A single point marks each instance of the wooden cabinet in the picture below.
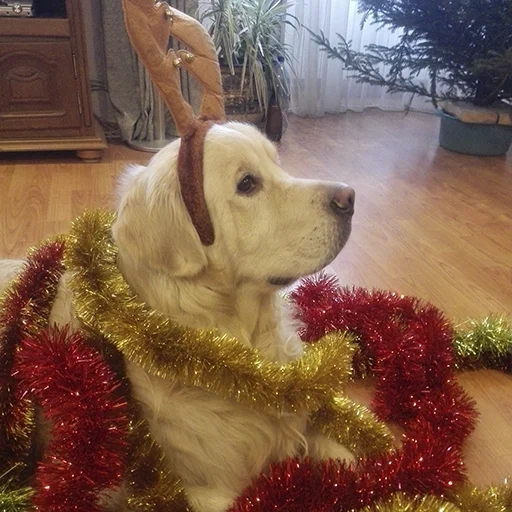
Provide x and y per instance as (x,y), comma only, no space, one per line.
(45,101)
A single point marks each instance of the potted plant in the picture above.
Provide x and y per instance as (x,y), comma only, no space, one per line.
(247,34)
(465,46)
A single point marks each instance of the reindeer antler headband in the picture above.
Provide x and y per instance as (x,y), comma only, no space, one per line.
(150,24)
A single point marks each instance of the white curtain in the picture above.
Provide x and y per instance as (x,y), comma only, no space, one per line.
(319,85)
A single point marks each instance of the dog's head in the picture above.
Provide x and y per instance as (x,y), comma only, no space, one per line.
(269,227)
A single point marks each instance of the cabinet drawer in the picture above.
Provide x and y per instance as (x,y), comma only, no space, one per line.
(38,86)
(34,27)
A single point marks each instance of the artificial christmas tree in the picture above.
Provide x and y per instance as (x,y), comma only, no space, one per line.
(465,46)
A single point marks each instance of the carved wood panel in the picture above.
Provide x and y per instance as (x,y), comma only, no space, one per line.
(38,87)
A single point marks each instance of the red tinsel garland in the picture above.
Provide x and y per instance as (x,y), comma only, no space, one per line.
(77,392)
(24,311)
(406,343)
(407,346)
(299,486)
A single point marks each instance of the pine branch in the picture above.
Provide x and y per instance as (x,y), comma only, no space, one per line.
(365,65)
(464,46)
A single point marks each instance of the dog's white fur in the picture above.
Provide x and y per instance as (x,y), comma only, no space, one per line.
(285,229)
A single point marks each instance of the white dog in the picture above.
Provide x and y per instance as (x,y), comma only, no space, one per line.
(270,230)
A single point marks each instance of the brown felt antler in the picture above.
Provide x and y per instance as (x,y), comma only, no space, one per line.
(150,24)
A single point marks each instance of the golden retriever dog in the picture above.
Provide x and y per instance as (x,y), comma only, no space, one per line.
(270,230)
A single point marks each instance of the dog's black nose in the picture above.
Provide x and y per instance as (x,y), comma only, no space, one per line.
(343,201)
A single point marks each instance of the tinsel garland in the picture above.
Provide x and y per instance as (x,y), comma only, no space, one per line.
(207,358)
(409,347)
(17,500)
(14,498)
(324,307)
(196,357)
(150,484)
(397,338)
(406,344)
(24,310)
(485,343)
(107,306)
(491,499)
(153,487)
(353,426)
(401,502)
(77,393)
(423,465)
(305,480)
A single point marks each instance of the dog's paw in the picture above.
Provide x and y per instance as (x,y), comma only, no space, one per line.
(210,499)
(323,448)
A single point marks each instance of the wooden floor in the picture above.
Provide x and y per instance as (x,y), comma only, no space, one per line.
(428,223)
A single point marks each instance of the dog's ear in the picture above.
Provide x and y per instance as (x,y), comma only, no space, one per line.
(153,228)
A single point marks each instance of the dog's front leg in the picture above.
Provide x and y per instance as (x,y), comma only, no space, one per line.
(320,447)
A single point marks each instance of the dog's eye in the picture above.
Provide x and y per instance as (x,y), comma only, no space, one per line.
(247,185)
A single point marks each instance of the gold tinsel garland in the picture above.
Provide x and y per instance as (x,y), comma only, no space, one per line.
(401,502)
(106,304)
(197,357)
(203,357)
(14,498)
(152,485)
(485,343)
(490,499)
(465,499)
(362,437)
(110,310)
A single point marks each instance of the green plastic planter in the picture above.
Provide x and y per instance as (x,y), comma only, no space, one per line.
(473,139)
